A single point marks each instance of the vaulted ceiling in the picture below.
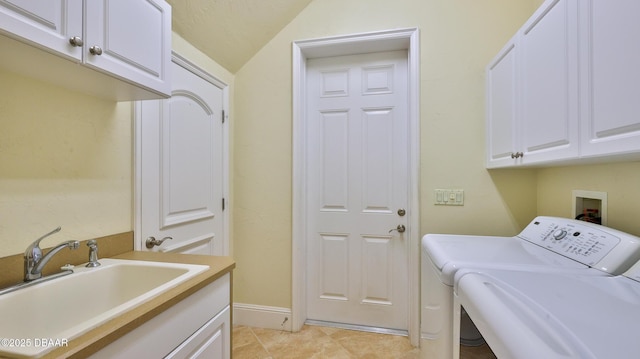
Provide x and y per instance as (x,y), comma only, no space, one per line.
(232,31)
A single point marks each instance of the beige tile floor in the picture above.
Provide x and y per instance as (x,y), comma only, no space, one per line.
(315,342)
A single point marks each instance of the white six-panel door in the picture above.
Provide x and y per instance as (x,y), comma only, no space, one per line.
(357,182)
(181,167)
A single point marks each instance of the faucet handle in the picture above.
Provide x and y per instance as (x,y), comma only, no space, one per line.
(33,251)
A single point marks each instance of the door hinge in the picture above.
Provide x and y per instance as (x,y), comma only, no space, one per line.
(223,204)
(223,116)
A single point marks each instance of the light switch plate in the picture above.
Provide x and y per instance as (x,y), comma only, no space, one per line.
(449,197)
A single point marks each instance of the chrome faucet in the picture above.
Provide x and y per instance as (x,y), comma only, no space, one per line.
(34,261)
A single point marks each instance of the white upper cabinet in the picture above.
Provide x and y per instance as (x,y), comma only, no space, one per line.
(124,46)
(575,83)
(610,76)
(130,39)
(501,107)
(548,84)
(46,24)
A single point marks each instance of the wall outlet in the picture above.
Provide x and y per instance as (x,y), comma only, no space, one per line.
(449,197)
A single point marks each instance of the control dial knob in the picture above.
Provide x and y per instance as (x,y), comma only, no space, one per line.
(559,234)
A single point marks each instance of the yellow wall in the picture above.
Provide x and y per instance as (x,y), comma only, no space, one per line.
(457,39)
(65,160)
(621,182)
(537,3)
(185,49)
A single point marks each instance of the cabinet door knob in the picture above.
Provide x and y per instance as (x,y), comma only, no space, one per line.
(76,41)
(95,50)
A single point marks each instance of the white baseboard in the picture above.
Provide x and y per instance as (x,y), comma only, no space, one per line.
(259,316)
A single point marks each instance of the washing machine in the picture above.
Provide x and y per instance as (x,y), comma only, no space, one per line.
(547,243)
(532,315)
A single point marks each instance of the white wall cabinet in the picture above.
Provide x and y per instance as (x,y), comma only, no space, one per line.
(562,90)
(501,107)
(127,42)
(197,327)
(46,24)
(532,103)
(548,88)
(609,73)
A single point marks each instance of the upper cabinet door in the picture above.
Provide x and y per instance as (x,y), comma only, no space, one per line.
(46,24)
(549,73)
(576,86)
(501,107)
(130,40)
(611,78)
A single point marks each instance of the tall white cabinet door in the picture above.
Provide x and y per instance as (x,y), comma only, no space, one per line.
(46,24)
(549,108)
(181,178)
(611,55)
(130,39)
(501,107)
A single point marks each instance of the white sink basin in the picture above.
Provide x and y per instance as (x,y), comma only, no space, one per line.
(51,313)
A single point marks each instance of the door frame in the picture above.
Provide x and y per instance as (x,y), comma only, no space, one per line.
(401,39)
(137,146)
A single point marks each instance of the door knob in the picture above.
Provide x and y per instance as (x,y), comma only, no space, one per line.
(152,241)
(400,229)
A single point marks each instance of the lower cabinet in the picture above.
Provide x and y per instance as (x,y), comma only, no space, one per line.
(210,341)
(197,327)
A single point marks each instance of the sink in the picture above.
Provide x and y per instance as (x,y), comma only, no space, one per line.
(49,314)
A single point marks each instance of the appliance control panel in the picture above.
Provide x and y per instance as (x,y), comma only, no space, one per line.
(577,240)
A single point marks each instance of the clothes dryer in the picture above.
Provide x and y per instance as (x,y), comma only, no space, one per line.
(531,315)
(547,243)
